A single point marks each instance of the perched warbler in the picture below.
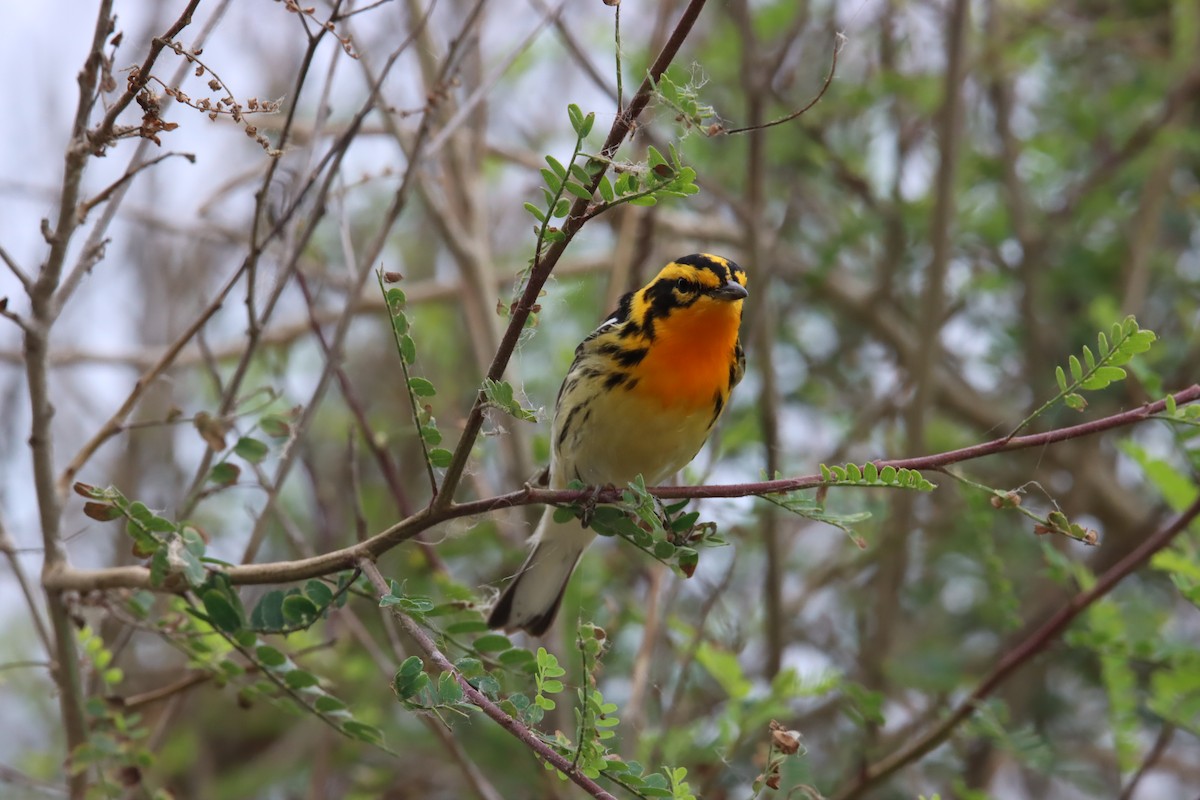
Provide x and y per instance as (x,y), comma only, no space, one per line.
(645,389)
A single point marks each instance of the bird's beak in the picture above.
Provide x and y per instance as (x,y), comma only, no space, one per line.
(732,290)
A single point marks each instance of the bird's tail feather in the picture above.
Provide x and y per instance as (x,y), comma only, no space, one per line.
(531,601)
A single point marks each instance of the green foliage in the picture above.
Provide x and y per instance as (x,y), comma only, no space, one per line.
(287,611)
(116,751)
(174,548)
(870,474)
(500,395)
(685,101)
(665,532)
(1126,340)
(418,387)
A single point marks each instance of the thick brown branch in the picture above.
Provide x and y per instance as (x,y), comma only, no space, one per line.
(326,563)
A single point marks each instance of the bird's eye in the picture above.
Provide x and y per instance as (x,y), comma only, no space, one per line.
(683,285)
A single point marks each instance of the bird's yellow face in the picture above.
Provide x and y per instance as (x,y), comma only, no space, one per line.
(689,292)
(687,319)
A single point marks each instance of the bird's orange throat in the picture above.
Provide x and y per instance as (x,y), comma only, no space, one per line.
(689,363)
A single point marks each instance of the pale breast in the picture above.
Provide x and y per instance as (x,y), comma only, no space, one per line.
(612,436)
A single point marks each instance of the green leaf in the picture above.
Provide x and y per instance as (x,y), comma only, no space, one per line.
(328,704)
(276,426)
(421,387)
(537,213)
(556,165)
(251,449)
(1088,358)
(606,190)
(224,614)
(492,643)
(1061,377)
(269,656)
(440,457)
(362,731)
(1075,401)
(268,614)
(516,658)
(1076,369)
(580,174)
(408,349)
(319,592)
(551,179)
(579,191)
(300,679)
(299,610)
(223,474)
(644,200)
(449,692)
(500,394)
(189,562)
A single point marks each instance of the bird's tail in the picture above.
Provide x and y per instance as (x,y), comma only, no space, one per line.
(531,601)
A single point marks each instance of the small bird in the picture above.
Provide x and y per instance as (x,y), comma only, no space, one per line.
(645,389)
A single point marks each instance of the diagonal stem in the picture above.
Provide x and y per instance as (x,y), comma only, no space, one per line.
(544,264)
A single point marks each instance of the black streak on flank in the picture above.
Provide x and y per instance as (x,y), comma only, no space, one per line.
(718,404)
(615,379)
(566,428)
(630,358)
(631,384)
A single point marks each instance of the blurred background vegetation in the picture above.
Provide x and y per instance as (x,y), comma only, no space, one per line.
(981,189)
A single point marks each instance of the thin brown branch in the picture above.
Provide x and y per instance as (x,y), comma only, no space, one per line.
(839,42)
(115,423)
(433,290)
(105,194)
(9,548)
(1161,743)
(329,166)
(1019,656)
(41,443)
(478,698)
(16,269)
(326,563)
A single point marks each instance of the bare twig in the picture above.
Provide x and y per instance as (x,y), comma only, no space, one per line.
(464,110)
(838,43)
(114,424)
(478,698)
(15,268)
(9,548)
(1161,743)
(134,170)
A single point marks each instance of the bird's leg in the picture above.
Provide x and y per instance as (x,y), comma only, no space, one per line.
(590,501)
